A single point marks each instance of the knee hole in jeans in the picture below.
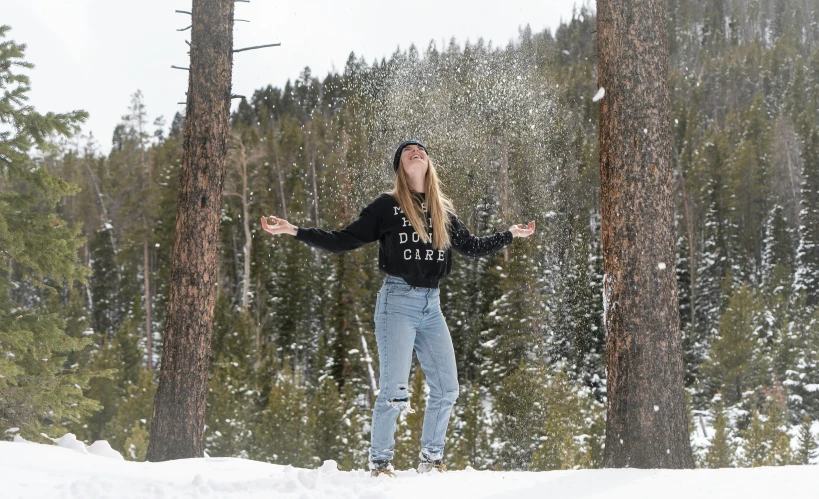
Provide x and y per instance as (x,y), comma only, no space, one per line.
(401,401)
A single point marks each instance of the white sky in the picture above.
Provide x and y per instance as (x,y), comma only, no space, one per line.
(93,54)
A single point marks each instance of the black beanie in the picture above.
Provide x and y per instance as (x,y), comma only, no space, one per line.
(397,159)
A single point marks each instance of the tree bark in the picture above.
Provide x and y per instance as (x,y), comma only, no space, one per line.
(177,427)
(646,425)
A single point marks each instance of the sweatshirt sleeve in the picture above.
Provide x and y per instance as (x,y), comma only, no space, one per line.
(472,246)
(365,229)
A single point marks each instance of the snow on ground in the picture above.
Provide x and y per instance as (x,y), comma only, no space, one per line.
(31,470)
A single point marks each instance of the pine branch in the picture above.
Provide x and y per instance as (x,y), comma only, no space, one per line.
(257,47)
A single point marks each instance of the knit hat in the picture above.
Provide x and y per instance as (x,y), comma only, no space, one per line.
(397,159)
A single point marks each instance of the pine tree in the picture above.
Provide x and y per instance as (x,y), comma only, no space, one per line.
(802,375)
(283,435)
(563,421)
(775,430)
(756,446)
(38,389)
(518,418)
(128,431)
(356,442)
(538,414)
(807,257)
(410,424)
(807,443)
(722,451)
(327,414)
(468,436)
(107,312)
(519,318)
(729,367)
(231,388)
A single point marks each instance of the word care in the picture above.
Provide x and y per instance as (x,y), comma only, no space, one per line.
(417,253)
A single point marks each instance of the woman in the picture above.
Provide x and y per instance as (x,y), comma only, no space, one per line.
(415,255)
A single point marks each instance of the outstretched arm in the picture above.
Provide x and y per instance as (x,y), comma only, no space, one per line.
(474,247)
(363,230)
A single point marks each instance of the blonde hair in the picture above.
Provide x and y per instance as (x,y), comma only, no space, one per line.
(440,207)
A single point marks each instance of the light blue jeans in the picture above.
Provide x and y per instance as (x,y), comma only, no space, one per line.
(408,318)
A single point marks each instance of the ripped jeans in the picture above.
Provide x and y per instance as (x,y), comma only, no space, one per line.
(408,318)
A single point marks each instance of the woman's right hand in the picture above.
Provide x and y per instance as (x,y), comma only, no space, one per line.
(280,226)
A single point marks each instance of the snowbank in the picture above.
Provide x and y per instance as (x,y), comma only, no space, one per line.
(30,470)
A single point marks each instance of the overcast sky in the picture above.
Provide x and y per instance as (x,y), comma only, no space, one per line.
(93,54)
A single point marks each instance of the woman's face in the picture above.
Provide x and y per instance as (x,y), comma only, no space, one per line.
(414,160)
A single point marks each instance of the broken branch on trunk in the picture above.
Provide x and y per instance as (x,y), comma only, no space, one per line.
(257,47)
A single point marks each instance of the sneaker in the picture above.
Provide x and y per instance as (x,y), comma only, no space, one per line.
(381,468)
(426,466)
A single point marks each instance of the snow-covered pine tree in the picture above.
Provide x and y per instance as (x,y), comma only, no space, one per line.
(807,255)
(755,448)
(807,443)
(776,281)
(38,390)
(232,388)
(776,428)
(729,367)
(283,435)
(469,430)
(722,451)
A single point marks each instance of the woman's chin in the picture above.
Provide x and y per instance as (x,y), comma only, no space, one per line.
(420,170)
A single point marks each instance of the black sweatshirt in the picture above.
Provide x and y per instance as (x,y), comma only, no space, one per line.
(401,253)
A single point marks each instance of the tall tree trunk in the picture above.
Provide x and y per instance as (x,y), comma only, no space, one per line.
(248,236)
(279,175)
(311,154)
(646,424)
(146,268)
(177,427)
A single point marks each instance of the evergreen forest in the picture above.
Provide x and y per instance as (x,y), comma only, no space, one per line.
(87,228)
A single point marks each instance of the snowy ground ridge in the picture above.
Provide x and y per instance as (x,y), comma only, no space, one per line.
(72,470)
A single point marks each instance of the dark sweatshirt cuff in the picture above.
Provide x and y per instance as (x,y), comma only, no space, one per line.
(300,234)
(507,237)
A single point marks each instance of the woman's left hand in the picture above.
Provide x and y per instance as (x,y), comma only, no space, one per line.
(520,230)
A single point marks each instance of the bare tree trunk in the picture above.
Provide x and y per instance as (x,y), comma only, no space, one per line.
(646,424)
(373,388)
(146,268)
(177,427)
(248,237)
(87,286)
(104,215)
(244,158)
(312,155)
(279,175)
(258,328)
